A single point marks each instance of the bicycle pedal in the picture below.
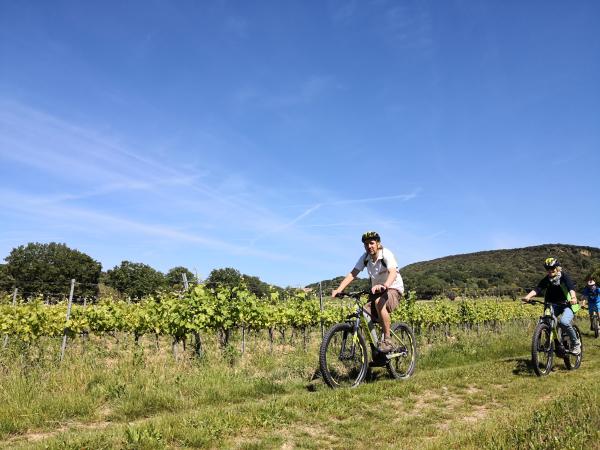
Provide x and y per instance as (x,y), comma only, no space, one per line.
(395,354)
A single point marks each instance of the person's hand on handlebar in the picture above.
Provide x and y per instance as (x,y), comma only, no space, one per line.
(378,288)
(335,292)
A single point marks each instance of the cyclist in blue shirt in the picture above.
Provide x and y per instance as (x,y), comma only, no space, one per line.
(559,289)
(592,295)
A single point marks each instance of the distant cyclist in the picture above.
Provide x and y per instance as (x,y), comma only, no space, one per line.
(387,286)
(559,289)
(592,295)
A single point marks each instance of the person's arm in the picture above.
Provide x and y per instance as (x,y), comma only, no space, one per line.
(345,282)
(529,296)
(537,290)
(392,266)
(573,297)
(388,282)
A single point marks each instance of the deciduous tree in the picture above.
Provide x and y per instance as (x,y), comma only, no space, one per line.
(174,277)
(135,280)
(48,269)
(228,277)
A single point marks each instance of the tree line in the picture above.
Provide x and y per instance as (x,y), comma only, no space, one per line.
(510,272)
(47,269)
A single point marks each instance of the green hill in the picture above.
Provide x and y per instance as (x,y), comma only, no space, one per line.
(496,272)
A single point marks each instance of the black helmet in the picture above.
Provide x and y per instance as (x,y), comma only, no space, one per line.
(551,263)
(369,236)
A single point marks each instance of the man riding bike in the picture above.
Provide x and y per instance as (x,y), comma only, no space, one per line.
(387,286)
(592,295)
(559,289)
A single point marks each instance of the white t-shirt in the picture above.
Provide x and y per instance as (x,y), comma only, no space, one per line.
(378,273)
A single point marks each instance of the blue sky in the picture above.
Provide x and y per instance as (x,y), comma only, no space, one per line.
(268,135)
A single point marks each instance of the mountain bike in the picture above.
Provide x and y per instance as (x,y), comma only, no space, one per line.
(344,358)
(550,338)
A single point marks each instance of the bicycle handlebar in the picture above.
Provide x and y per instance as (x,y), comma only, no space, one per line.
(355,294)
(531,301)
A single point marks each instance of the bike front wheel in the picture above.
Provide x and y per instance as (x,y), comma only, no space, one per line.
(595,325)
(343,358)
(403,358)
(542,349)
(572,361)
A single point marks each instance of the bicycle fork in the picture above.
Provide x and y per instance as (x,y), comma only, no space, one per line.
(345,352)
(558,338)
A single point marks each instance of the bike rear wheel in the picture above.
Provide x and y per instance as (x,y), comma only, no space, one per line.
(343,357)
(542,349)
(403,358)
(572,361)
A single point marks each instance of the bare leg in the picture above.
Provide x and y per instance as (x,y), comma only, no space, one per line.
(384,317)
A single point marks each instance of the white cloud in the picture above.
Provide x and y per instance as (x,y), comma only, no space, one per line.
(94,187)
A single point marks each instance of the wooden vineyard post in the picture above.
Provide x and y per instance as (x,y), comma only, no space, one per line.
(14,302)
(64,341)
(321,305)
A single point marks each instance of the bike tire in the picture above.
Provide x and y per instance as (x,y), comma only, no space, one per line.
(572,361)
(343,357)
(542,349)
(596,326)
(403,359)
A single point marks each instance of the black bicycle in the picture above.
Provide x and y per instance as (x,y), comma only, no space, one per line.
(344,359)
(549,338)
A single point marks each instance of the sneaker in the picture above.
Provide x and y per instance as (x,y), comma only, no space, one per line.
(385,346)
(576,350)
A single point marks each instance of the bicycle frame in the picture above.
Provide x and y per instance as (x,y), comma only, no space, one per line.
(557,330)
(362,319)
(550,317)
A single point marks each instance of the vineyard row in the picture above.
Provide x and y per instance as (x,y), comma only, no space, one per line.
(202,310)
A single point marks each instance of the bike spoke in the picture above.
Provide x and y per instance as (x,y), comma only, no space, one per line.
(402,358)
(542,349)
(343,357)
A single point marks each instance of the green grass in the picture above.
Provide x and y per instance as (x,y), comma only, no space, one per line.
(470,390)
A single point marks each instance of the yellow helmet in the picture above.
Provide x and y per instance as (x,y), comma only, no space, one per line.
(369,236)
(551,263)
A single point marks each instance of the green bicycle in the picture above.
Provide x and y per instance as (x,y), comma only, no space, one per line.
(549,338)
(343,357)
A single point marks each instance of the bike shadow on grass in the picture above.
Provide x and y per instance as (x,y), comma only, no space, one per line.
(374,374)
(523,366)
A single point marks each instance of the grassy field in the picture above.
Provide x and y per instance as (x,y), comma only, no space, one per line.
(470,390)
